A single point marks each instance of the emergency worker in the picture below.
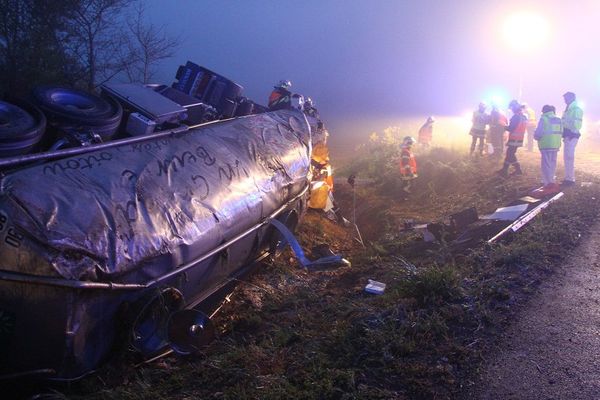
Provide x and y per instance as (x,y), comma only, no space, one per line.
(516,133)
(281,97)
(426,132)
(322,178)
(310,109)
(297,102)
(408,163)
(548,134)
(572,119)
(498,125)
(480,121)
(531,126)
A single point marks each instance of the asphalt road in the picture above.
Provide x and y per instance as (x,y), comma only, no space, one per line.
(552,350)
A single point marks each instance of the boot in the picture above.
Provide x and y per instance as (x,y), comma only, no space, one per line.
(406,187)
(504,171)
(517,170)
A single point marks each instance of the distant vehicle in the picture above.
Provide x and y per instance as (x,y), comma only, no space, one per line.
(121,214)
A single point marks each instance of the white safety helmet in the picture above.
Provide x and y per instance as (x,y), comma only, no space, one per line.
(409,140)
(284,84)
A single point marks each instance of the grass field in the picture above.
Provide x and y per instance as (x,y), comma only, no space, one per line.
(292,333)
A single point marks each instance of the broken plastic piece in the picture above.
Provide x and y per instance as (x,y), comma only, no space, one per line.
(510,213)
(375,287)
(529,199)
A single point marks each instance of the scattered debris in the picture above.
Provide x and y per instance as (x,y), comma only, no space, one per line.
(522,220)
(328,259)
(375,287)
(507,213)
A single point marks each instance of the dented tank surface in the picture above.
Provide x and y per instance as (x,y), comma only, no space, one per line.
(185,211)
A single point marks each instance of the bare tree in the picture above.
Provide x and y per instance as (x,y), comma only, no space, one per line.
(31,52)
(96,40)
(78,43)
(148,44)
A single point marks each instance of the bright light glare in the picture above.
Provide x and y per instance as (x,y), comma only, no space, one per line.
(466,121)
(498,100)
(496,96)
(525,31)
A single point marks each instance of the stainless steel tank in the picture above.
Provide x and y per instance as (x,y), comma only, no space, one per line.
(85,238)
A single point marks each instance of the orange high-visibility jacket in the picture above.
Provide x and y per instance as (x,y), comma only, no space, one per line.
(279,98)
(408,163)
(516,129)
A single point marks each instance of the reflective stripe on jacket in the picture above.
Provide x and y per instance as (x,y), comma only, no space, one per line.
(516,130)
(572,119)
(549,131)
(408,163)
(279,98)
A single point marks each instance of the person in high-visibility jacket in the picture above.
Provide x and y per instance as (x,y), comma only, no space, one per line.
(322,178)
(480,121)
(516,133)
(281,97)
(548,134)
(531,126)
(572,120)
(426,132)
(408,163)
(498,125)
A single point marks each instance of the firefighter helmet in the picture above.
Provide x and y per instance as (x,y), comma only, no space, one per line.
(284,84)
(514,105)
(409,141)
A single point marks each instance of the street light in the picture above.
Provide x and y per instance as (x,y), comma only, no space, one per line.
(523,32)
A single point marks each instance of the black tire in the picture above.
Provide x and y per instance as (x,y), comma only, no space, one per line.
(21,127)
(75,109)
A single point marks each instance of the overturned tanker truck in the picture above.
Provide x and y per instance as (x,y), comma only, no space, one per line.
(121,214)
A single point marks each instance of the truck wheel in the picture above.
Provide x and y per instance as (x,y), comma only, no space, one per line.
(75,109)
(21,127)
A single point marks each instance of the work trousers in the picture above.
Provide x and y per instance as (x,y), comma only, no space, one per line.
(474,142)
(497,140)
(511,155)
(569,158)
(549,157)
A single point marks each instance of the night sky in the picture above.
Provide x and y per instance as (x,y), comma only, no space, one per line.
(381,60)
